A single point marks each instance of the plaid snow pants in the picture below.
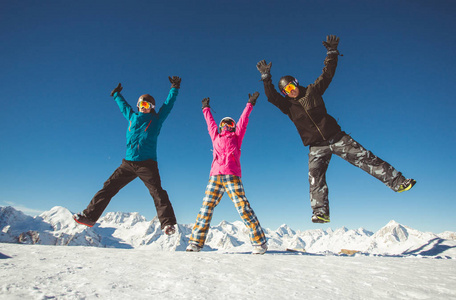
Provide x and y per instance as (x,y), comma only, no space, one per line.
(214,191)
(354,153)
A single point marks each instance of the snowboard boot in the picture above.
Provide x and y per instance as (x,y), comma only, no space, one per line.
(193,248)
(260,249)
(320,217)
(169,229)
(82,219)
(406,185)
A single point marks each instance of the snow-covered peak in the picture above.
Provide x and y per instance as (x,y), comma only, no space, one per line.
(122,218)
(15,222)
(395,238)
(363,231)
(10,216)
(231,228)
(59,217)
(285,230)
(341,230)
(448,235)
(393,230)
(392,223)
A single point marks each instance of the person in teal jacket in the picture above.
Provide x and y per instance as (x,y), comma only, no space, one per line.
(140,159)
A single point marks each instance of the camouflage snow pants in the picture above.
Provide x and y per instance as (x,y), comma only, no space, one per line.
(214,191)
(354,153)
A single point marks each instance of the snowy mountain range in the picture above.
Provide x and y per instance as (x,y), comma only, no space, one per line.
(131,230)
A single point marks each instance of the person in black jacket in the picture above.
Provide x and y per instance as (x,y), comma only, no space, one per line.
(320,131)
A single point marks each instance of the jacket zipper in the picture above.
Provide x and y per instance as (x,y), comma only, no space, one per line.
(315,124)
(147,126)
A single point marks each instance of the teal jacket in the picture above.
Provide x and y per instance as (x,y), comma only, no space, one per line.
(143,129)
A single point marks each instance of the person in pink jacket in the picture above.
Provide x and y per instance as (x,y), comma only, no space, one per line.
(226,175)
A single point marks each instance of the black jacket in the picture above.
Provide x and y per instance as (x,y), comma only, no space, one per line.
(308,111)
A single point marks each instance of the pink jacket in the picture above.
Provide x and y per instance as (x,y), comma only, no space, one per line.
(227,145)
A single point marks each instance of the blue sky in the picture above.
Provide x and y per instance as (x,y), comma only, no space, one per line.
(63,135)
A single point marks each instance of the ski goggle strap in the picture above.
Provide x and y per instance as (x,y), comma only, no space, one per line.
(145,104)
(290,87)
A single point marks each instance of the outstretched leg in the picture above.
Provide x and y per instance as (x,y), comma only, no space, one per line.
(213,194)
(235,189)
(149,174)
(123,175)
(357,155)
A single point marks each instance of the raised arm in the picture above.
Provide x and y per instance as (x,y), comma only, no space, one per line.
(211,125)
(271,93)
(125,108)
(241,126)
(323,81)
(167,106)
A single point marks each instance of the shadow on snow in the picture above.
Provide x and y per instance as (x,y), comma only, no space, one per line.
(436,248)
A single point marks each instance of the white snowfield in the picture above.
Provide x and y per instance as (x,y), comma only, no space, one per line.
(126,256)
(49,272)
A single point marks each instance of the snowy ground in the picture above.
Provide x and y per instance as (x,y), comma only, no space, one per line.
(59,272)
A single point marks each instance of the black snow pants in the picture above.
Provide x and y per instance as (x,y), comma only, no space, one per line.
(147,171)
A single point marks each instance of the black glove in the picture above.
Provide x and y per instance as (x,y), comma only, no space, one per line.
(175,82)
(253,98)
(265,69)
(331,44)
(117,89)
(205,102)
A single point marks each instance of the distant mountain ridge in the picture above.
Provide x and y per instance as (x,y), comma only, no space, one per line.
(131,230)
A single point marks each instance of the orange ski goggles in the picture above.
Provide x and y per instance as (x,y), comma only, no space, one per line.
(289,87)
(228,123)
(145,104)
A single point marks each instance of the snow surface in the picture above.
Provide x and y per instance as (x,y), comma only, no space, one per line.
(49,272)
(124,255)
